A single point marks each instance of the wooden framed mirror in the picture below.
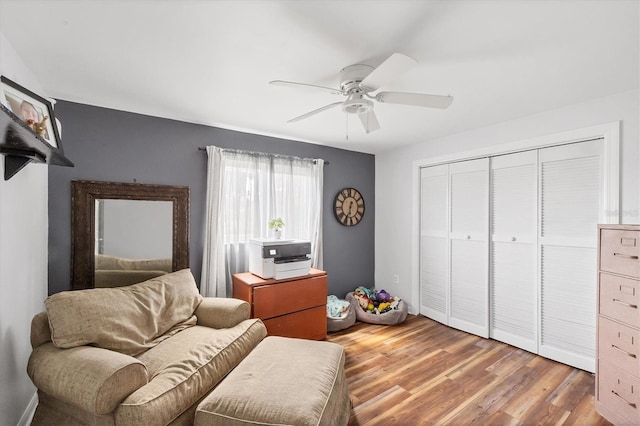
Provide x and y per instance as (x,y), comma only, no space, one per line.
(138,230)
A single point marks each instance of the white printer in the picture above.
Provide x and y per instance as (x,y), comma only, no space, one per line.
(279,259)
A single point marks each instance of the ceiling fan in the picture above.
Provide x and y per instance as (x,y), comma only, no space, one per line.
(358,82)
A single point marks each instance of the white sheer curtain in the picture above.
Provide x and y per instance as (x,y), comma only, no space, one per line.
(244,191)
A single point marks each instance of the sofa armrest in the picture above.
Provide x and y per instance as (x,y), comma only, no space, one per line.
(221,312)
(95,379)
(40,331)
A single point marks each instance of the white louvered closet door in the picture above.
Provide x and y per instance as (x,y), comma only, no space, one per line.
(434,259)
(513,269)
(468,240)
(570,179)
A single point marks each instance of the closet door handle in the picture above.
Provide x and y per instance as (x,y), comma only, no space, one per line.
(625,303)
(618,395)
(624,352)
(628,256)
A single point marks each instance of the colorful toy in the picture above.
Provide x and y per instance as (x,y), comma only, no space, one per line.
(383,296)
(363,300)
(375,302)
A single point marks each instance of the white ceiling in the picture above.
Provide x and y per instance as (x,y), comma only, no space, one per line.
(210,62)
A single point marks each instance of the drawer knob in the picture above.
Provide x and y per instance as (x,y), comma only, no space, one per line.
(618,395)
(625,303)
(468,237)
(513,238)
(628,256)
(624,352)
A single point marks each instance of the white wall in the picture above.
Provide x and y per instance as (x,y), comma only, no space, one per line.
(23,261)
(396,195)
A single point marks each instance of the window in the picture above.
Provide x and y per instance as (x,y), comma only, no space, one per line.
(245,190)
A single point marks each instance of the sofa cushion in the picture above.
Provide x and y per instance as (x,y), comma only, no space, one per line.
(184,368)
(127,319)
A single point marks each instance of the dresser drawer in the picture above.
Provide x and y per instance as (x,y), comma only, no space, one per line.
(619,344)
(620,299)
(307,324)
(619,391)
(619,251)
(283,298)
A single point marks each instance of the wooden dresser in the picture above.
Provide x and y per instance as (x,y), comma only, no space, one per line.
(292,307)
(618,367)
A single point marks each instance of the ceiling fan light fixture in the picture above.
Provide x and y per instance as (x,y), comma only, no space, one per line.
(356,104)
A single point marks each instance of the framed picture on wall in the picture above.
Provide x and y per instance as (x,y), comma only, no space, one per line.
(35,111)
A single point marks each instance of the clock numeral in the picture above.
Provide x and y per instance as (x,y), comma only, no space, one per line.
(349,206)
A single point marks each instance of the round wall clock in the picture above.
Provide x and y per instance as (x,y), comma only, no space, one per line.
(348,206)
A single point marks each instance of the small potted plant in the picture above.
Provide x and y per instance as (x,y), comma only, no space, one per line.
(276,224)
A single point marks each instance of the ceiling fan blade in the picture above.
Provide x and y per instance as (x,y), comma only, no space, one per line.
(314,112)
(305,86)
(389,69)
(416,99)
(369,121)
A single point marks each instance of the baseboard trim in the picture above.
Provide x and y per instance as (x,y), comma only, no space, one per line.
(27,416)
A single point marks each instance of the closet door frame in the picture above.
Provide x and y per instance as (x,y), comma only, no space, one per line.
(610,212)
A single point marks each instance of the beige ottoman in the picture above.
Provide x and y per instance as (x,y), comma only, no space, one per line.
(283,381)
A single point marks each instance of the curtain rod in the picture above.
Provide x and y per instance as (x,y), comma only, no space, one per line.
(204,148)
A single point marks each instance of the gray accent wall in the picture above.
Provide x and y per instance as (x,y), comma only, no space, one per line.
(118,146)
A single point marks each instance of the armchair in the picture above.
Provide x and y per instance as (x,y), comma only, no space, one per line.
(140,354)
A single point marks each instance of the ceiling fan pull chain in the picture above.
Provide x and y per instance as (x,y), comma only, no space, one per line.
(346,137)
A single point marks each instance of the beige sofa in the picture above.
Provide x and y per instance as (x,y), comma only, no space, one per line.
(144,354)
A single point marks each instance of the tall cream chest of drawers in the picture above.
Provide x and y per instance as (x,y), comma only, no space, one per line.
(618,366)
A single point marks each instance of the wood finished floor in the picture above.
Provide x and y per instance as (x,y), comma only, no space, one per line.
(422,372)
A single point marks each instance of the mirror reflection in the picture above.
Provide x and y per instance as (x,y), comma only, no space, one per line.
(133,241)
(134,228)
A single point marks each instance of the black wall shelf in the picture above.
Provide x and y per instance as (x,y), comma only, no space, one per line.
(20,146)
